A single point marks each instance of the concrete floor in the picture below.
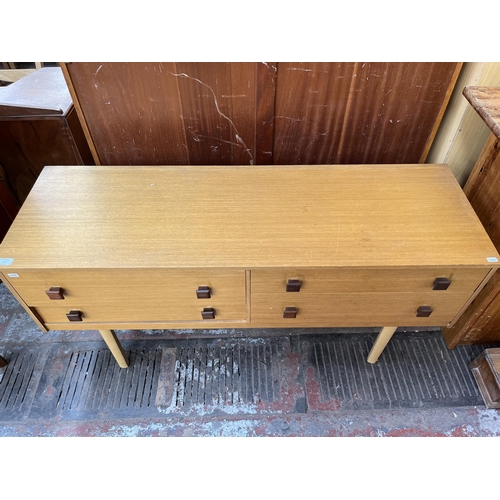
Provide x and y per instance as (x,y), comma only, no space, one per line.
(301,409)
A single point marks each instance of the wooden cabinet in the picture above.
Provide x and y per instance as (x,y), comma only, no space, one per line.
(119,247)
(38,127)
(480,324)
(260,113)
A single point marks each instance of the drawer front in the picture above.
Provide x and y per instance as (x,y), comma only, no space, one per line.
(162,313)
(329,281)
(362,309)
(134,295)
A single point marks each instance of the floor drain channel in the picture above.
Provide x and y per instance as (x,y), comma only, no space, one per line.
(19,381)
(94,381)
(224,375)
(412,372)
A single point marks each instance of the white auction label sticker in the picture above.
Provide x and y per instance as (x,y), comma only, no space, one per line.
(6,262)
(491,259)
(13,275)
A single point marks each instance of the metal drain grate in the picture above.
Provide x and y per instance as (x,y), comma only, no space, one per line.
(19,381)
(227,374)
(94,381)
(412,372)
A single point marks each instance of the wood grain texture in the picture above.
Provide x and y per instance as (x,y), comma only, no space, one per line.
(486,371)
(81,117)
(174,113)
(301,216)
(482,189)
(260,113)
(480,322)
(163,310)
(27,146)
(485,100)
(327,281)
(345,113)
(381,341)
(357,309)
(107,286)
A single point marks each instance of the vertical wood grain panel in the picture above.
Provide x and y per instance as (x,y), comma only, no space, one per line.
(261,113)
(133,112)
(266,74)
(346,113)
(218,105)
(170,113)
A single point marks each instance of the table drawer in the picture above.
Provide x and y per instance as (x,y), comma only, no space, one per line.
(125,288)
(328,281)
(361,309)
(138,313)
(92,286)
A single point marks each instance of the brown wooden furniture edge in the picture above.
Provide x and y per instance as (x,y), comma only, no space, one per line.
(32,313)
(468,92)
(80,113)
(482,389)
(439,118)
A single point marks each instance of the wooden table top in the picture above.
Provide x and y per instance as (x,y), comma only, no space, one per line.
(246,216)
(486,101)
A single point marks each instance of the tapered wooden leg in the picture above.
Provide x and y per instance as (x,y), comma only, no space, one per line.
(115,347)
(3,362)
(381,341)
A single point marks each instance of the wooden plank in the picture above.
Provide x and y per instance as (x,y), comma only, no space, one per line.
(323,216)
(79,111)
(482,188)
(266,76)
(454,114)
(167,113)
(439,118)
(486,369)
(485,101)
(218,109)
(370,113)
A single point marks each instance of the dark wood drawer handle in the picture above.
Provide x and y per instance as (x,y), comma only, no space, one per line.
(203,292)
(208,313)
(74,315)
(424,311)
(441,284)
(293,285)
(290,312)
(55,293)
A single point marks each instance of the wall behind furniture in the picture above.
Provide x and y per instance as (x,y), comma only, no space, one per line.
(462,134)
(260,113)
